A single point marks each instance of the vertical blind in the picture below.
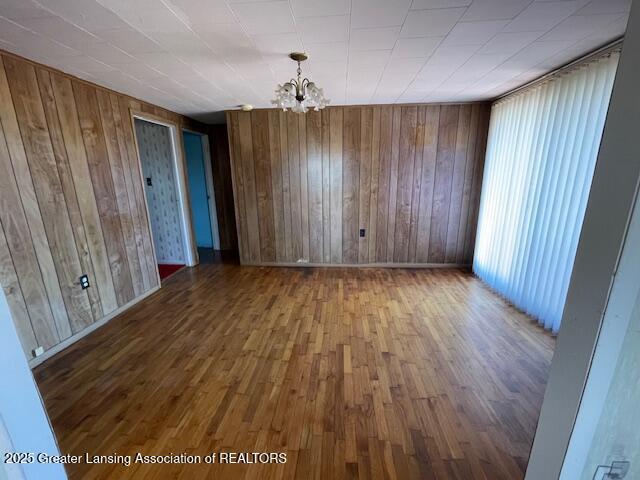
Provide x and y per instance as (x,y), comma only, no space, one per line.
(541,153)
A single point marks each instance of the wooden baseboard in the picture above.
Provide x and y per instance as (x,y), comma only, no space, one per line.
(67,342)
(357,265)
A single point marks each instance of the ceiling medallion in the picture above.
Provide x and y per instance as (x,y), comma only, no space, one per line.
(299,94)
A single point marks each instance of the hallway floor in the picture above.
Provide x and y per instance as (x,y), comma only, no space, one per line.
(369,373)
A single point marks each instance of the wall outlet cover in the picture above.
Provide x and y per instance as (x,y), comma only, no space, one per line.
(38,351)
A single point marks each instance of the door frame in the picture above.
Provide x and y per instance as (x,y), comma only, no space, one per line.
(182,187)
(211,192)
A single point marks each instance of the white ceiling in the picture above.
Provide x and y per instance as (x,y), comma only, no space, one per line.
(201,56)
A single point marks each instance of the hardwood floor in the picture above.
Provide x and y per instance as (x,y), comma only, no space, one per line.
(369,373)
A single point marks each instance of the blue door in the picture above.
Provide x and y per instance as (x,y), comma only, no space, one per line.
(198,190)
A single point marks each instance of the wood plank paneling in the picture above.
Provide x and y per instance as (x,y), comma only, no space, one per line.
(478,170)
(445,159)
(386,131)
(31,210)
(417,184)
(286,185)
(115,156)
(293,136)
(250,198)
(393,182)
(350,183)
(72,135)
(314,179)
(276,185)
(238,185)
(19,256)
(33,126)
(409,175)
(69,191)
(429,153)
(375,178)
(406,163)
(264,194)
(326,186)
(304,186)
(335,182)
(133,183)
(71,202)
(457,183)
(100,171)
(468,180)
(221,168)
(364,197)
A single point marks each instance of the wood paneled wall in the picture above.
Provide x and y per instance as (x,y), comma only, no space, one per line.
(71,202)
(221,168)
(304,185)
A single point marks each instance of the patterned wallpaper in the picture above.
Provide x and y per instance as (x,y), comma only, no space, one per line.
(154,142)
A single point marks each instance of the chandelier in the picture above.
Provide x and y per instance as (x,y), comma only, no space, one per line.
(299,94)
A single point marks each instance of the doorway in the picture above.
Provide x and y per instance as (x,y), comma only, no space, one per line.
(202,194)
(165,195)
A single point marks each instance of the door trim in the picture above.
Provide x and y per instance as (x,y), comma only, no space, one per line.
(190,251)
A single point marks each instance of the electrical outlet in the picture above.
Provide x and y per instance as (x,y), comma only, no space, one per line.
(149,182)
(84,282)
(37,351)
(362,232)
